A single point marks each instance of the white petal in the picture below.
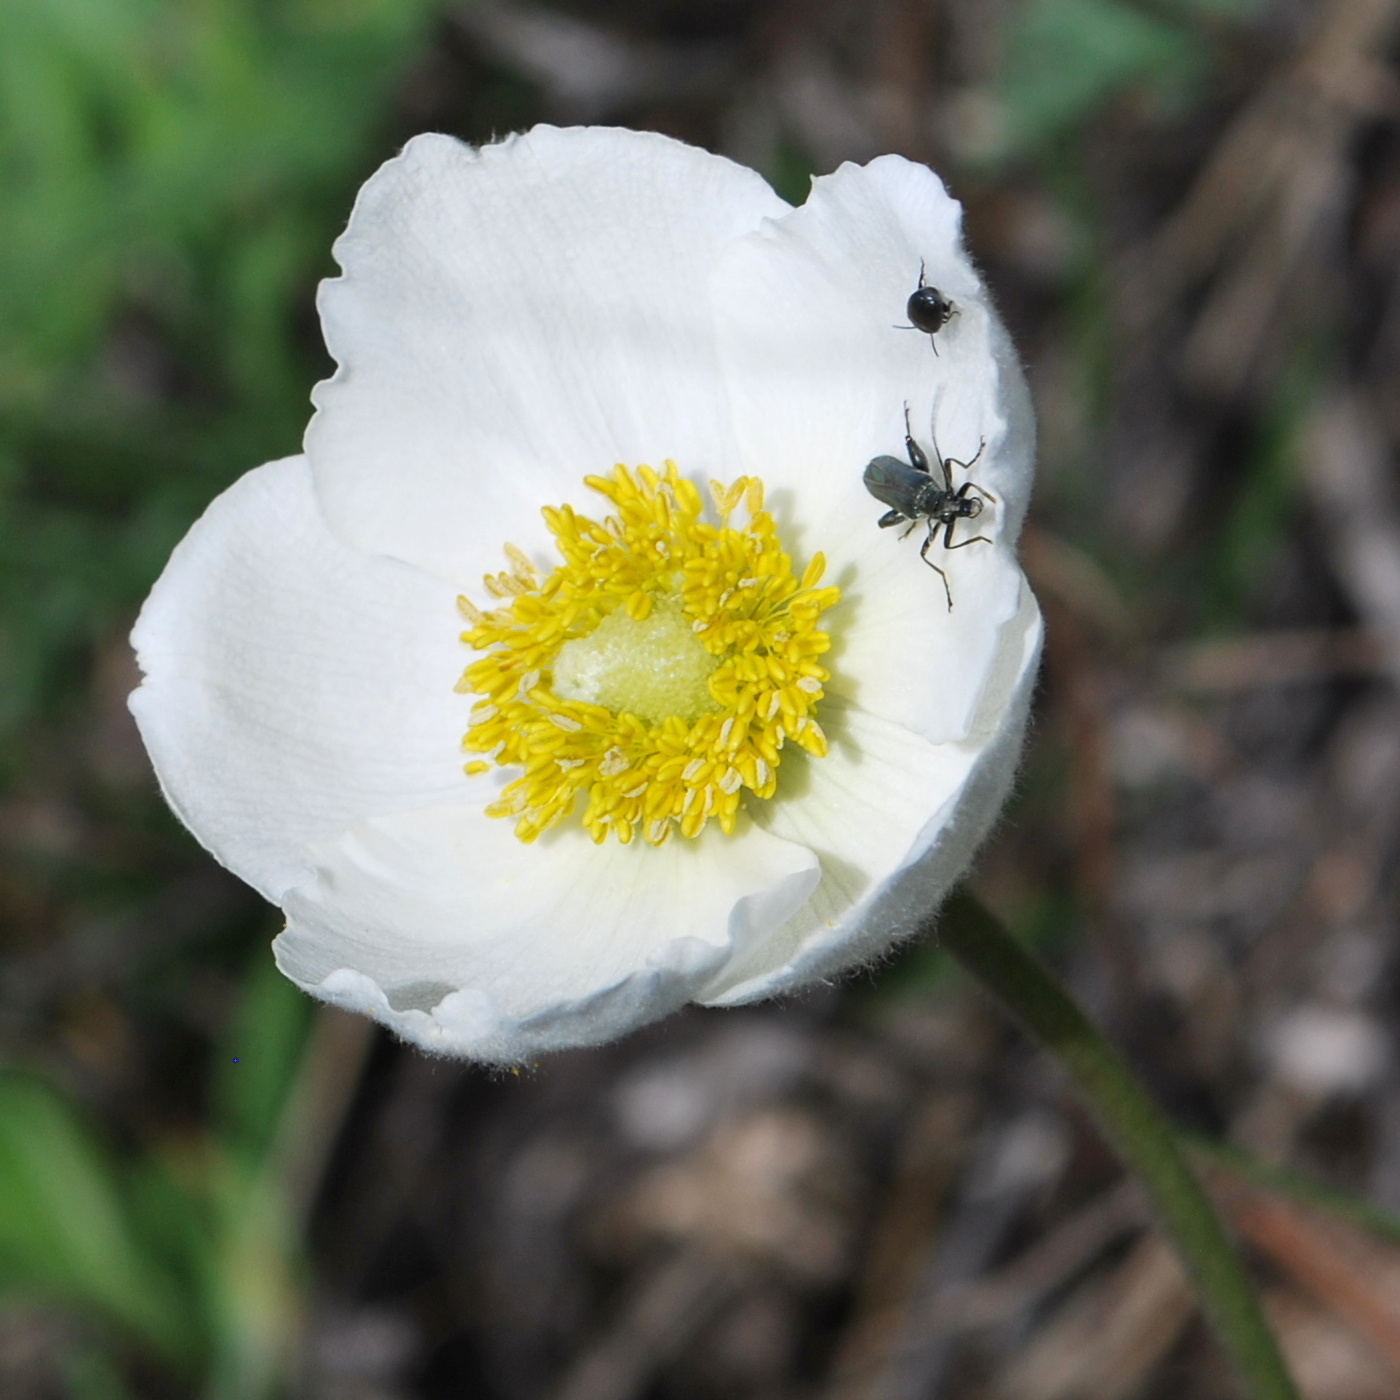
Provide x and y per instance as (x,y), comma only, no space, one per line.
(293,685)
(898,649)
(819,378)
(513,318)
(894,820)
(448,929)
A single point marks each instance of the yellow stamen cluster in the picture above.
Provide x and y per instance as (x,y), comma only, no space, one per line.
(737,590)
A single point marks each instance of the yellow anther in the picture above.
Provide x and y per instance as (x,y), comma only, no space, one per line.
(520,565)
(654,557)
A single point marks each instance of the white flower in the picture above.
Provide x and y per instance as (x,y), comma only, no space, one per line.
(510,321)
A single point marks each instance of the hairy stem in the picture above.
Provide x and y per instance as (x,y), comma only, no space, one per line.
(1141,1137)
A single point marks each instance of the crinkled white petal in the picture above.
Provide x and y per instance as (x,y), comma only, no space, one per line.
(445,927)
(894,821)
(293,685)
(819,379)
(512,319)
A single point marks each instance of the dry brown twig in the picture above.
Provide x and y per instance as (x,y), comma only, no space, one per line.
(1351,1272)
(670,1304)
(932,1146)
(1328,1360)
(587,72)
(1347,472)
(1287,656)
(1109,1339)
(1014,1161)
(1275,180)
(1073,1245)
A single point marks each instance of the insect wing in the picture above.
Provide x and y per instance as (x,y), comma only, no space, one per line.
(896,484)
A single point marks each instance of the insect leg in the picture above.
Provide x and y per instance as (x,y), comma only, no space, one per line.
(967,466)
(932,340)
(916,453)
(892,517)
(923,554)
(961,544)
(942,462)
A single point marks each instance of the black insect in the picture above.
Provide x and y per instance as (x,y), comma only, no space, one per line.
(914,494)
(928,310)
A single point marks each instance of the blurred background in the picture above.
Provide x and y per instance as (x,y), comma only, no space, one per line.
(1189,211)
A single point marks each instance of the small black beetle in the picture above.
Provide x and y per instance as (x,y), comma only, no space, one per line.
(913,494)
(928,310)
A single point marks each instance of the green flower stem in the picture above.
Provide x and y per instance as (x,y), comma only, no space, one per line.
(1142,1139)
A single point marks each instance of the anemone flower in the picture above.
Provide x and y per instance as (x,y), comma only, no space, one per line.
(567,676)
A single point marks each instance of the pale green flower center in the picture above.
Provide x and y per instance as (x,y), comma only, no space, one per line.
(652,667)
